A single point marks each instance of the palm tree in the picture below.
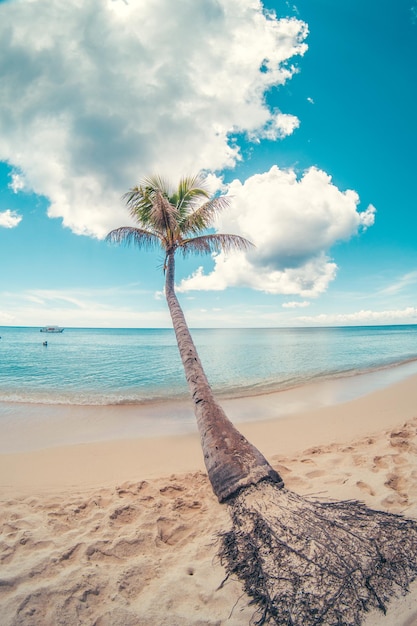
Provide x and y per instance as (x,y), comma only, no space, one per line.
(303,562)
(177,221)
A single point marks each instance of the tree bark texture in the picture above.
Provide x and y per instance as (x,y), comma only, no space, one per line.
(232,462)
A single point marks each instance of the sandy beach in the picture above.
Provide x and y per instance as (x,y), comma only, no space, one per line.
(123,532)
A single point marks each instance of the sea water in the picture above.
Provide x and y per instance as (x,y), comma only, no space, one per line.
(90,385)
(85,366)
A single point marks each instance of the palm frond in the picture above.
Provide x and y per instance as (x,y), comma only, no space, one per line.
(137,236)
(141,198)
(218,242)
(159,183)
(139,203)
(164,215)
(190,192)
(203,217)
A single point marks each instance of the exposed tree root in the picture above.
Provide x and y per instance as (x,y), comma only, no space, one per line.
(305,562)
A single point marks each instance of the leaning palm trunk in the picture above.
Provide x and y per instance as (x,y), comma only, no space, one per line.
(231,461)
(303,562)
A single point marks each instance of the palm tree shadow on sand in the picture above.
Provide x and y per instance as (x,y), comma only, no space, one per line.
(301,561)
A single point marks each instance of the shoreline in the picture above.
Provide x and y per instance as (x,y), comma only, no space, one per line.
(30,427)
(126,456)
(384,371)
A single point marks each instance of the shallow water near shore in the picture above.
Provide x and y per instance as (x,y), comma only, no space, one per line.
(135,366)
(25,427)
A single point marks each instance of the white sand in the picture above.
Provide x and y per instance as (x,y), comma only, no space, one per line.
(121,532)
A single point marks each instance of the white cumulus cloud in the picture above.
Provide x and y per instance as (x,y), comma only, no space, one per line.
(95,94)
(9,219)
(293,222)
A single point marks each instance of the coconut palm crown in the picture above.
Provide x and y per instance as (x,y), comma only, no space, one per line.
(177,220)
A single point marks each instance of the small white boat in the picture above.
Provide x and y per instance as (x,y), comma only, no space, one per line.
(52,329)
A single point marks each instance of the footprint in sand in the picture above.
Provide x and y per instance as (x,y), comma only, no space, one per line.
(402,439)
(394,500)
(398,485)
(186,506)
(171,491)
(124,515)
(134,579)
(316,474)
(395,482)
(365,487)
(131,489)
(380,462)
(171,531)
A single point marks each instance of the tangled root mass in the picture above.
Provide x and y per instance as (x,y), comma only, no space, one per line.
(305,563)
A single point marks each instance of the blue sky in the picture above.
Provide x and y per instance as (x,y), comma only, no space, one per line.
(304,113)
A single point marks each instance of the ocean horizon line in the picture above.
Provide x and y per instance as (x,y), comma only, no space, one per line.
(170,328)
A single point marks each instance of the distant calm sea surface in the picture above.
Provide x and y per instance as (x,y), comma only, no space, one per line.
(134,366)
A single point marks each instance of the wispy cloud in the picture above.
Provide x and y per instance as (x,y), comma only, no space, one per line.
(402,283)
(81,307)
(296,305)
(395,316)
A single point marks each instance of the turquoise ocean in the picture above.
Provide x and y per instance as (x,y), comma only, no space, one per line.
(132,366)
(90,385)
